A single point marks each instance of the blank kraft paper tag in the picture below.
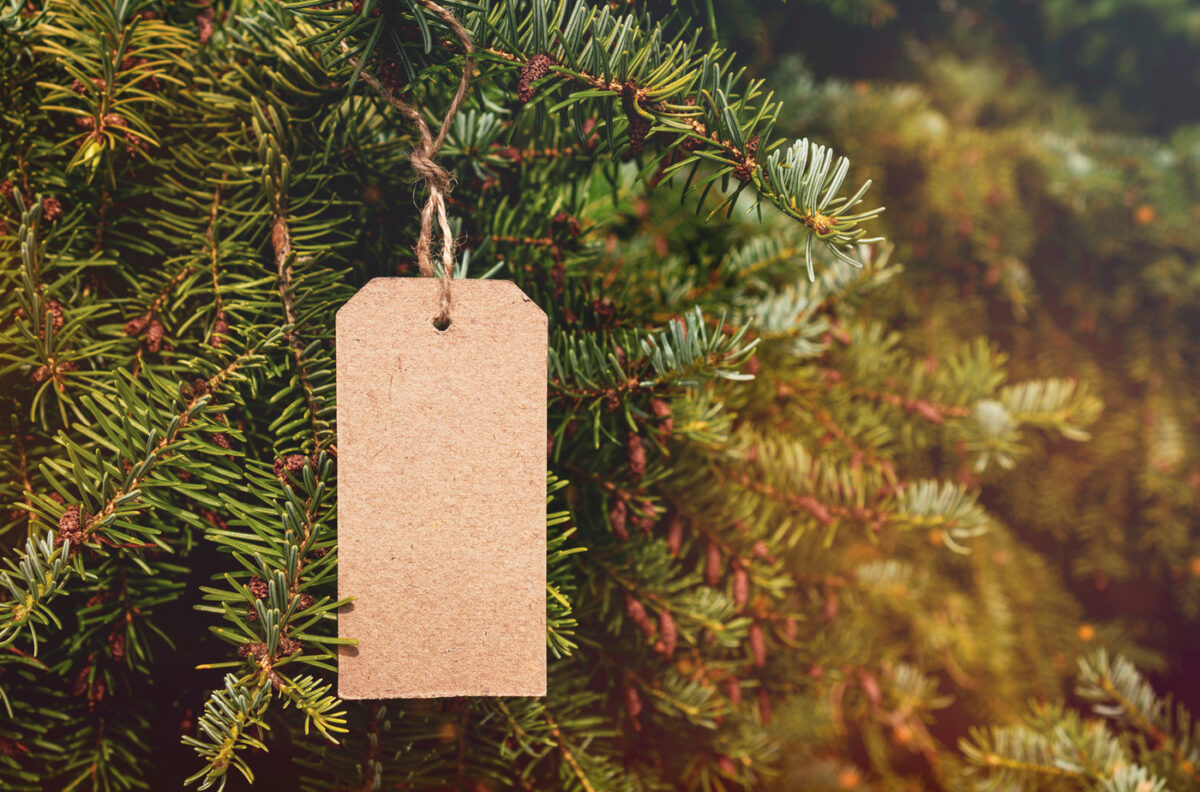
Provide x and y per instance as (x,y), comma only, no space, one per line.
(441,491)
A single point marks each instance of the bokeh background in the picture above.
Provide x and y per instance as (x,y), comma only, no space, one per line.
(1039,164)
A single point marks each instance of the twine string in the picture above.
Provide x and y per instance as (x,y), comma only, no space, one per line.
(436,178)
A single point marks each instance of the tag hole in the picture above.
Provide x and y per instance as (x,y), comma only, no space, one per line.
(441,323)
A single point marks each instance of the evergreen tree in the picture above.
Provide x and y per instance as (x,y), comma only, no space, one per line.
(768,563)
(1073,248)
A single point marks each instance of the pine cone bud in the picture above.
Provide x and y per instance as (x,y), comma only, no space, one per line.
(790,628)
(611,401)
(391,72)
(674,535)
(633,705)
(741,585)
(116,643)
(220,328)
(870,686)
(670,635)
(639,127)
(637,614)
(564,224)
(830,611)
(635,452)
(206,23)
(221,440)
(258,587)
(535,69)
(733,690)
(758,644)
(256,650)
(55,309)
(616,516)
(288,646)
(70,526)
(761,550)
(661,409)
(51,209)
(292,463)
(154,336)
(135,327)
(646,516)
(713,563)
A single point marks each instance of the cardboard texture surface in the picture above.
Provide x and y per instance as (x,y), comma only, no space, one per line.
(441,491)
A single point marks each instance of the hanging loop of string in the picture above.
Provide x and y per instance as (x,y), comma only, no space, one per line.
(437,179)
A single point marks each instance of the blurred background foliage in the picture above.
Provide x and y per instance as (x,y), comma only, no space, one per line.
(1040,163)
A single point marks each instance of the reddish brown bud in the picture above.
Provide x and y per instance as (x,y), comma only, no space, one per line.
(674,534)
(51,209)
(870,686)
(154,336)
(761,550)
(733,691)
(55,310)
(205,22)
(758,644)
(611,401)
(220,329)
(646,516)
(136,326)
(830,611)
(70,526)
(741,585)
(633,705)
(635,452)
(535,69)
(637,614)
(258,587)
(927,411)
(713,563)
(116,644)
(563,223)
(256,650)
(661,409)
(639,127)
(617,516)
(291,464)
(670,635)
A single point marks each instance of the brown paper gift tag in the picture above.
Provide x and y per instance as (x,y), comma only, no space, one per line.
(441,491)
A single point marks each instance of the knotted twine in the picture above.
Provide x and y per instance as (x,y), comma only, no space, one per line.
(437,179)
